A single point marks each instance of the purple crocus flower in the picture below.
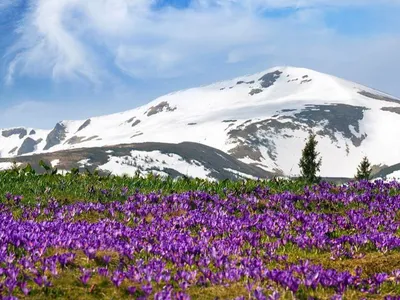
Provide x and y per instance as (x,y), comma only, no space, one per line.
(124,190)
(106,259)
(274,296)
(181,296)
(17,199)
(258,294)
(24,288)
(117,278)
(10,297)
(86,275)
(131,290)
(103,272)
(40,280)
(147,289)
(9,196)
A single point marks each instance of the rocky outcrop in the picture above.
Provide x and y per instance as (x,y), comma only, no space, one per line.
(334,118)
(9,132)
(79,139)
(162,106)
(28,146)
(136,122)
(251,137)
(255,91)
(269,79)
(326,120)
(395,110)
(56,136)
(13,150)
(379,97)
(84,125)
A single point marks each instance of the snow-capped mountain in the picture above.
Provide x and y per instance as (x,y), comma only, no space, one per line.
(261,119)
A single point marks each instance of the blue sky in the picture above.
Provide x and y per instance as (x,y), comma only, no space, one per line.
(72,59)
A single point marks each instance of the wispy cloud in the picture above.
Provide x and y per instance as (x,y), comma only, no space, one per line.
(103,39)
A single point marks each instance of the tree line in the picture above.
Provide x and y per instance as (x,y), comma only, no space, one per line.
(310,163)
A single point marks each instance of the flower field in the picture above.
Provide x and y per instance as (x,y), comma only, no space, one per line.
(87,237)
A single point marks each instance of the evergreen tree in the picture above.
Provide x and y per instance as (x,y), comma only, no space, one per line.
(364,170)
(310,163)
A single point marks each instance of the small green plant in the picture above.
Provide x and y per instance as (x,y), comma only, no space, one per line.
(15,167)
(49,169)
(364,170)
(310,163)
(44,166)
(28,169)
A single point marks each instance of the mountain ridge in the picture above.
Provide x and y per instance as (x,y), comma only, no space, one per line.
(261,119)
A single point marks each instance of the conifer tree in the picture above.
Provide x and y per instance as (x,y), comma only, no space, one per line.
(364,170)
(310,164)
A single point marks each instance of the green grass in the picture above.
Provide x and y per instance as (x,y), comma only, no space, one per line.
(74,187)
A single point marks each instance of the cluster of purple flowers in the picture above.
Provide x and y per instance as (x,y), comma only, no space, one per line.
(195,239)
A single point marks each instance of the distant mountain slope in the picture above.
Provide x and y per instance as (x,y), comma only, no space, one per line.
(261,119)
(175,160)
(389,173)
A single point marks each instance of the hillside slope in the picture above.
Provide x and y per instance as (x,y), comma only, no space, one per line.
(175,160)
(261,119)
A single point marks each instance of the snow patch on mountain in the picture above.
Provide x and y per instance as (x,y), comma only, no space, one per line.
(54,163)
(7,165)
(393,176)
(241,174)
(84,162)
(153,162)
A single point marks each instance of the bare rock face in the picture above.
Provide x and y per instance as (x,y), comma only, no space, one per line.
(136,122)
(13,150)
(305,81)
(255,91)
(333,118)
(250,136)
(55,136)
(75,140)
(79,139)
(162,106)
(28,145)
(84,125)
(9,132)
(137,134)
(337,118)
(379,97)
(269,79)
(395,110)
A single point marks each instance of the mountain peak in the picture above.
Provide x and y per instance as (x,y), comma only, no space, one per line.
(259,119)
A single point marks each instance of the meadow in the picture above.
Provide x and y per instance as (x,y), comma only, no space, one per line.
(85,236)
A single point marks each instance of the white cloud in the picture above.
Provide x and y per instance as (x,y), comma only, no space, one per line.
(74,39)
(47,47)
